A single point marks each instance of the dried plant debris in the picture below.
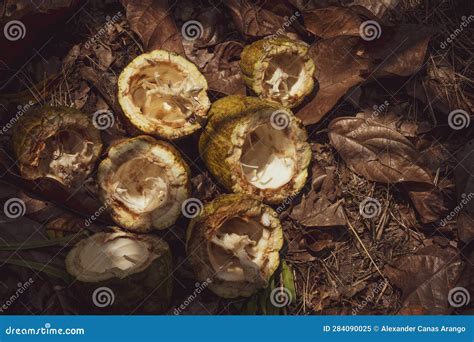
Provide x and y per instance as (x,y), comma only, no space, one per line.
(316,151)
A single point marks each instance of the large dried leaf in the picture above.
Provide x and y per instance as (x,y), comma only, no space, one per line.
(425,279)
(340,65)
(152,21)
(336,21)
(343,62)
(377,152)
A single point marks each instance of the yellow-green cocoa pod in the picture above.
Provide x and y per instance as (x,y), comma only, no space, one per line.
(143,182)
(56,142)
(121,272)
(234,244)
(255,147)
(163,94)
(279,70)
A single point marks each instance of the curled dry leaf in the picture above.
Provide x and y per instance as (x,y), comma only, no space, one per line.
(425,279)
(152,21)
(377,152)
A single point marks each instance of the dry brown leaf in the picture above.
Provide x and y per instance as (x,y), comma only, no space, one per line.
(377,152)
(464,177)
(428,201)
(318,208)
(223,71)
(340,65)
(336,21)
(152,21)
(425,279)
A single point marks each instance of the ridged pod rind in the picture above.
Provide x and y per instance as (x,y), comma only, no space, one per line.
(41,123)
(211,218)
(130,148)
(133,113)
(223,133)
(254,61)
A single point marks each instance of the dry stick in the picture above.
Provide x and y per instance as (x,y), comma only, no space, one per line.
(363,246)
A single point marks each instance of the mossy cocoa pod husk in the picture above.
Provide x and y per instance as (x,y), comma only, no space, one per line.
(120,272)
(234,245)
(143,182)
(56,142)
(279,70)
(163,94)
(255,147)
